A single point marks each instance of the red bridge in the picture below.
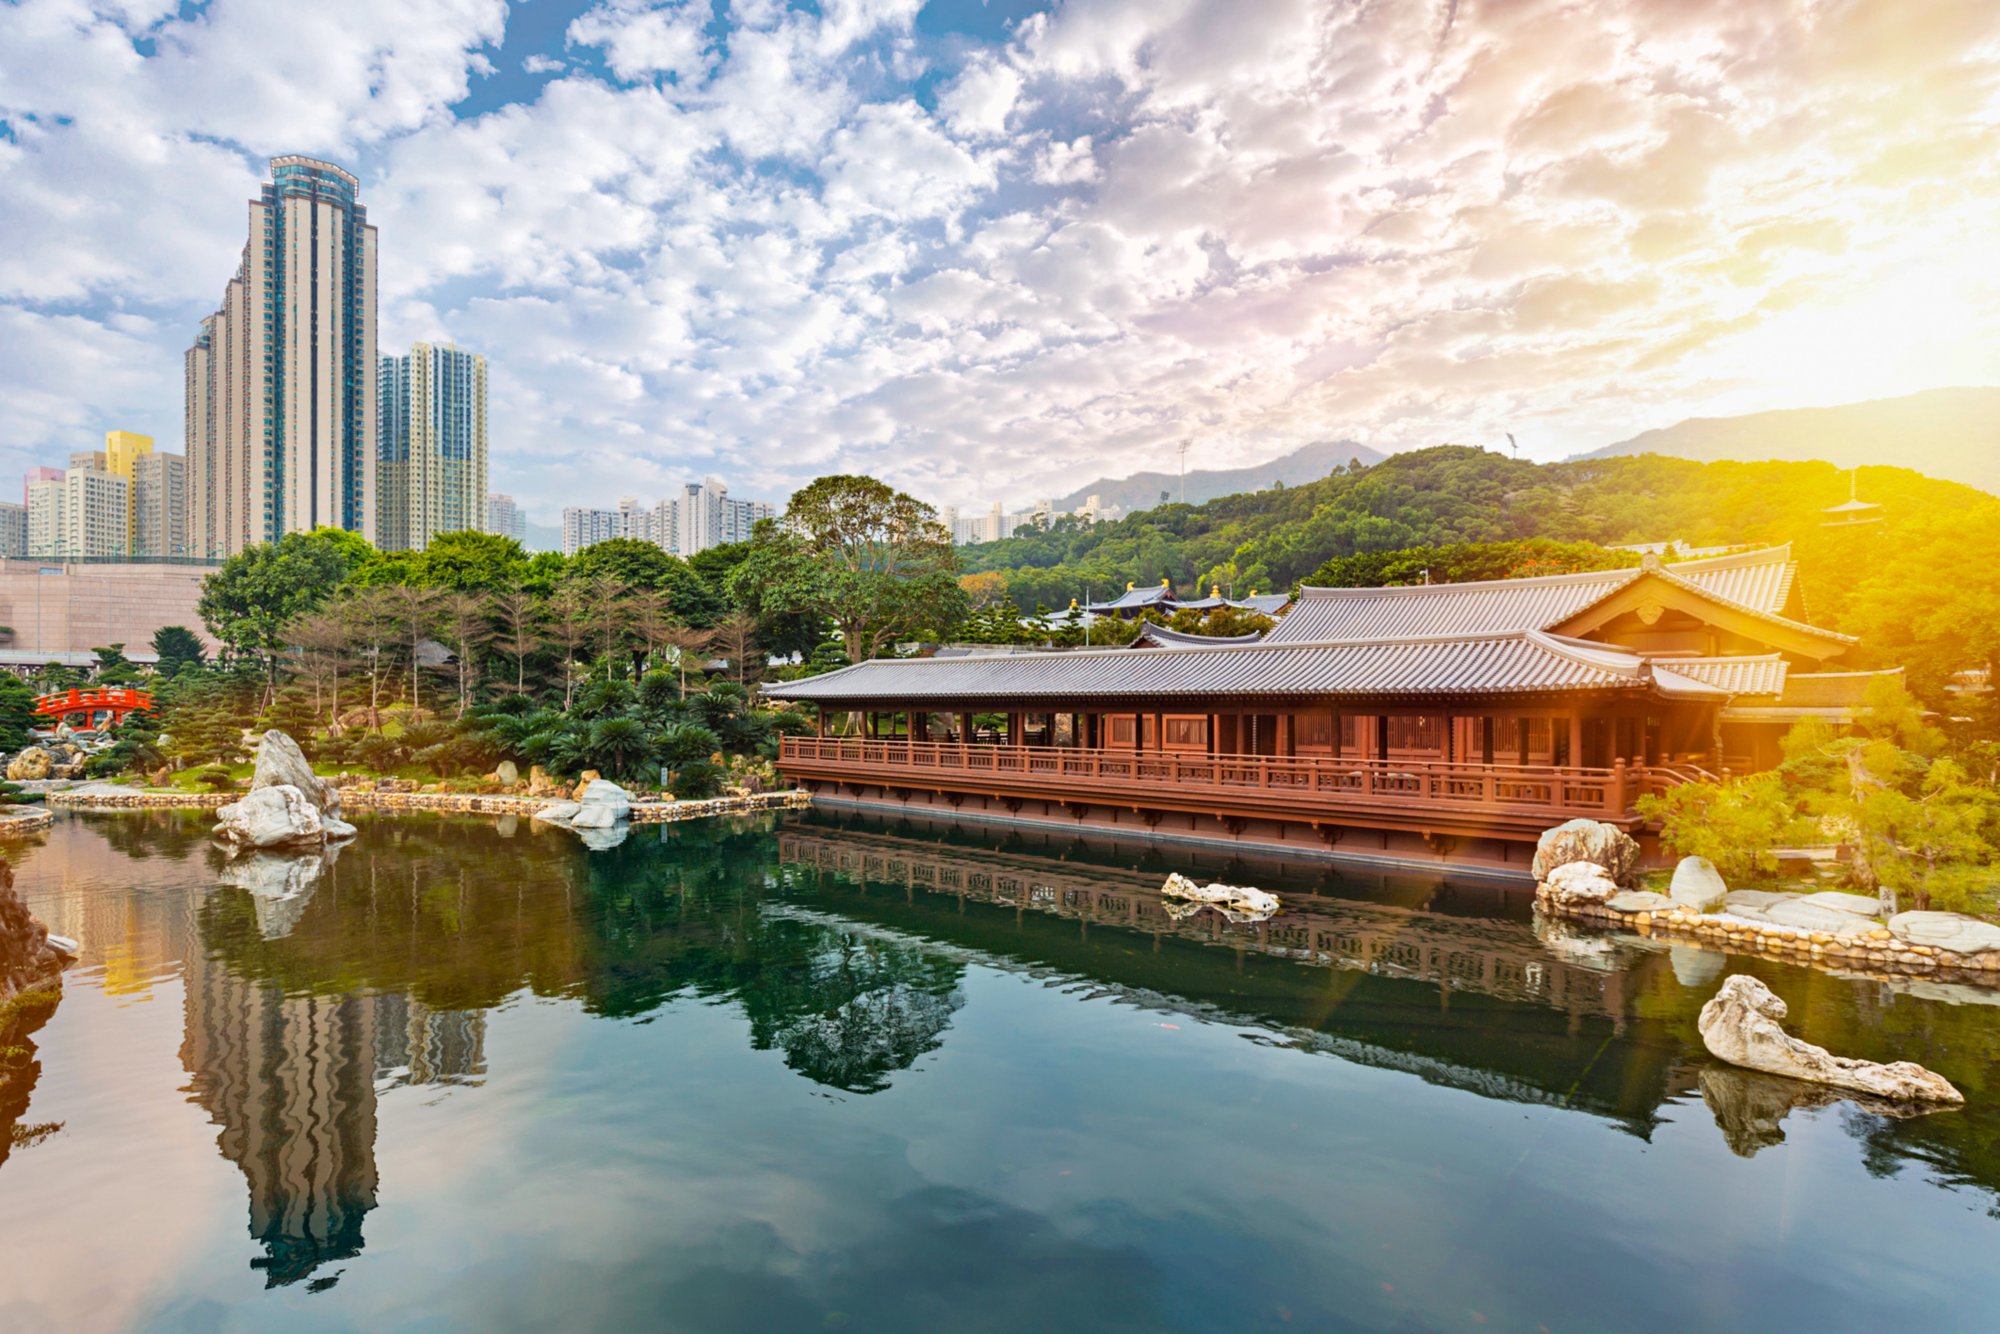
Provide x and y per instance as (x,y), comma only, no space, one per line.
(89,710)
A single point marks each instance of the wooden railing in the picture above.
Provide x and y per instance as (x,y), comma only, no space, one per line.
(1253,781)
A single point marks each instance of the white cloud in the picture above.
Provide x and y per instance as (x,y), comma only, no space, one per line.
(642,39)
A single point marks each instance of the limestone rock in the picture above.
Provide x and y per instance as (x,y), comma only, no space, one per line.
(507,772)
(1698,885)
(1236,902)
(594,815)
(1861,905)
(1638,900)
(1946,931)
(583,781)
(1743,1026)
(1810,916)
(1752,898)
(1593,841)
(540,784)
(557,812)
(33,764)
(280,763)
(603,792)
(1580,882)
(270,817)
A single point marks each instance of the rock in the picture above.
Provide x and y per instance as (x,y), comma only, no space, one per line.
(539,782)
(1945,931)
(280,885)
(601,792)
(33,764)
(588,777)
(1742,1025)
(280,763)
(1580,882)
(507,772)
(27,961)
(1236,902)
(1860,905)
(1815,917)
(1752,898)
(557,812)
(1698,885)
(337,828)
(160,777)
(1593,841)
(269,817)
(594,815)
(1694,967)
(1638,900)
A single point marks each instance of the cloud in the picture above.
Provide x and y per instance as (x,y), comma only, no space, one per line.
(765,240)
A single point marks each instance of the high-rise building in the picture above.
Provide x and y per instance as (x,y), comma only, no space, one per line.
(122,452)
(587,527)
(431,463)
(95,506)
(281,382)
(45,515)
(91,458)
(159,506)
(505,517)
(13,529)
(40,474)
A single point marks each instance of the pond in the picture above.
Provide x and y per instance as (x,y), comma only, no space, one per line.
(793,1073)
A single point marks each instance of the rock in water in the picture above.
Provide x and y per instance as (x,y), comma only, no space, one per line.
(33,764)
(1580,882)
(280,763)
(1743,1026)
(1637,900)
(27,960)
(270,817)
(1238,902)
(603,792)
(1698,885)
(1591,841)
(1946,931)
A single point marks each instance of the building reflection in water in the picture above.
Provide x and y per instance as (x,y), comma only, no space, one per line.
(292,1080)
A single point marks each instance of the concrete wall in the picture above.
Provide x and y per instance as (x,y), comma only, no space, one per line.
(77,607)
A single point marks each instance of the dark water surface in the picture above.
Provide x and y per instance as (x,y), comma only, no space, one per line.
(805,1075)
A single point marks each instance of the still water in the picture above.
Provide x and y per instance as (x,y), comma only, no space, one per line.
(798,1074)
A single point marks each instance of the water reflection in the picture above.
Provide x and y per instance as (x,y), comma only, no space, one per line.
(313,989)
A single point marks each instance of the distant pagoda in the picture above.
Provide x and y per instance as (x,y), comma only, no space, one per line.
(1853,510)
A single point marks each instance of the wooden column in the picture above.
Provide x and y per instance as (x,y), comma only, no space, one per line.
(1159,730)
(1381,736)
(1576,738)
(1521,739)
(1334,735)
(1486,739)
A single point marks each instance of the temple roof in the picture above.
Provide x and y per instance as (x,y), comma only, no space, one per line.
(1756,582)
(1421,667)
(1763,674)
(1160,636)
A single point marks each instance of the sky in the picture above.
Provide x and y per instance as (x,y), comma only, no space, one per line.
(992,249)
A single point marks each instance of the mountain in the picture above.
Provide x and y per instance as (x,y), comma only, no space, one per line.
(543,537)
(1141,491)
(1953,434)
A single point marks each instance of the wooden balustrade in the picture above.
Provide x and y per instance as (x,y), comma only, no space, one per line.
(1249,784)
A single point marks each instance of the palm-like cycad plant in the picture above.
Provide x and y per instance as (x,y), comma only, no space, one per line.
(618,746)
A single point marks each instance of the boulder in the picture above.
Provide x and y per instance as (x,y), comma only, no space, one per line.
(1816,917)
(507,772)
(280,763)
(1236,902)
(1603,845)
(1946,931)
(33,764)
(1580,882)
(1638,900)
(1861,905)
(602,792)
(1752,898)
(1743,1026)
(270,817)
(583,781)
(540,784)
(557,812)
(1698,885)
(594,815)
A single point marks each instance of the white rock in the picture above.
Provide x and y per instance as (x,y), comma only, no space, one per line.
(597,840)
(280,763)
(594,815)
(65,945)
(1638,900)
(1861,905)
(1813,917)
(603,792)
(557,812)
(269,817)
(1946,931)
(1603,845)
(507,772)
(1753,898)
(336,827)
(1581,882)
(1254,904)
(1698,885)
(1743,1026)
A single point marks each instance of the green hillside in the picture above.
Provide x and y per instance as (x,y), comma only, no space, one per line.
(1921,584)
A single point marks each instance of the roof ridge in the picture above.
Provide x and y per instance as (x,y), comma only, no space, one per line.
(1667,573)
(1531,581)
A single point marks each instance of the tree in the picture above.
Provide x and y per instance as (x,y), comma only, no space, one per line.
(469,561)
(518,618)
(251,600)
(568,627)
(461,619)
(17,712)
(113,668)
(636,564)
(736,637)
(178,648)
(323,639)
(688,643)
(370,620)
(873,560)
(416,611)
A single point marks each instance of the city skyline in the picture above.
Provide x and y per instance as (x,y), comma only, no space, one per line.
(982,247)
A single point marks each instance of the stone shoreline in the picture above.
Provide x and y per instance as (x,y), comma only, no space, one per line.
(456,803)
(1876,953)
(25,820)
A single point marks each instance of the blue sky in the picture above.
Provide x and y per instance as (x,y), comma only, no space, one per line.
(991,250)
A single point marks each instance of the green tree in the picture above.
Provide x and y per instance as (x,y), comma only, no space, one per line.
(248,603)
(113,668)
(636,564)
(178,648)
(17,712)
(470,562)
(867,557)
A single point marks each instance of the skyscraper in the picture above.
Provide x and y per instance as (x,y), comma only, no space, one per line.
(587,527)
(13,529)
(505,517)
(122,452)
(281,382)
(431,461)
(159,506)
(96,510)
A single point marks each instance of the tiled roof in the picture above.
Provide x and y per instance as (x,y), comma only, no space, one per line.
(1760,675)
(1435,667)
(1831,690)
(1135,599)
(1163,637)
(1758,582)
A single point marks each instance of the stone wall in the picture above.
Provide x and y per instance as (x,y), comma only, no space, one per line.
(461,803)
(80,605)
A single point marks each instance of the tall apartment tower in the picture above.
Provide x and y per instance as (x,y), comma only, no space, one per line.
(430,467)
(281,382)
(45,515)
(159,506)
(13,530)
(96,510)
(582,527)
(505,517)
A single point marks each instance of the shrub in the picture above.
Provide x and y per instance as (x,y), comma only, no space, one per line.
(697,781)
(1737,825)
(216,778)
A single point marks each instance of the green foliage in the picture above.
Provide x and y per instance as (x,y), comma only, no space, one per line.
(469,562)
(1737,824)
(1465,562)
(637,564)
(697,782)
(252,600)
(17,712)
(1220,622)
(113,668)
(216,778)
(179,648)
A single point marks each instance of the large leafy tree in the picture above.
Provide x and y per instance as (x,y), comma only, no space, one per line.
(178,648)
(641,565)
(874,561)
(248,602)
(469,562)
